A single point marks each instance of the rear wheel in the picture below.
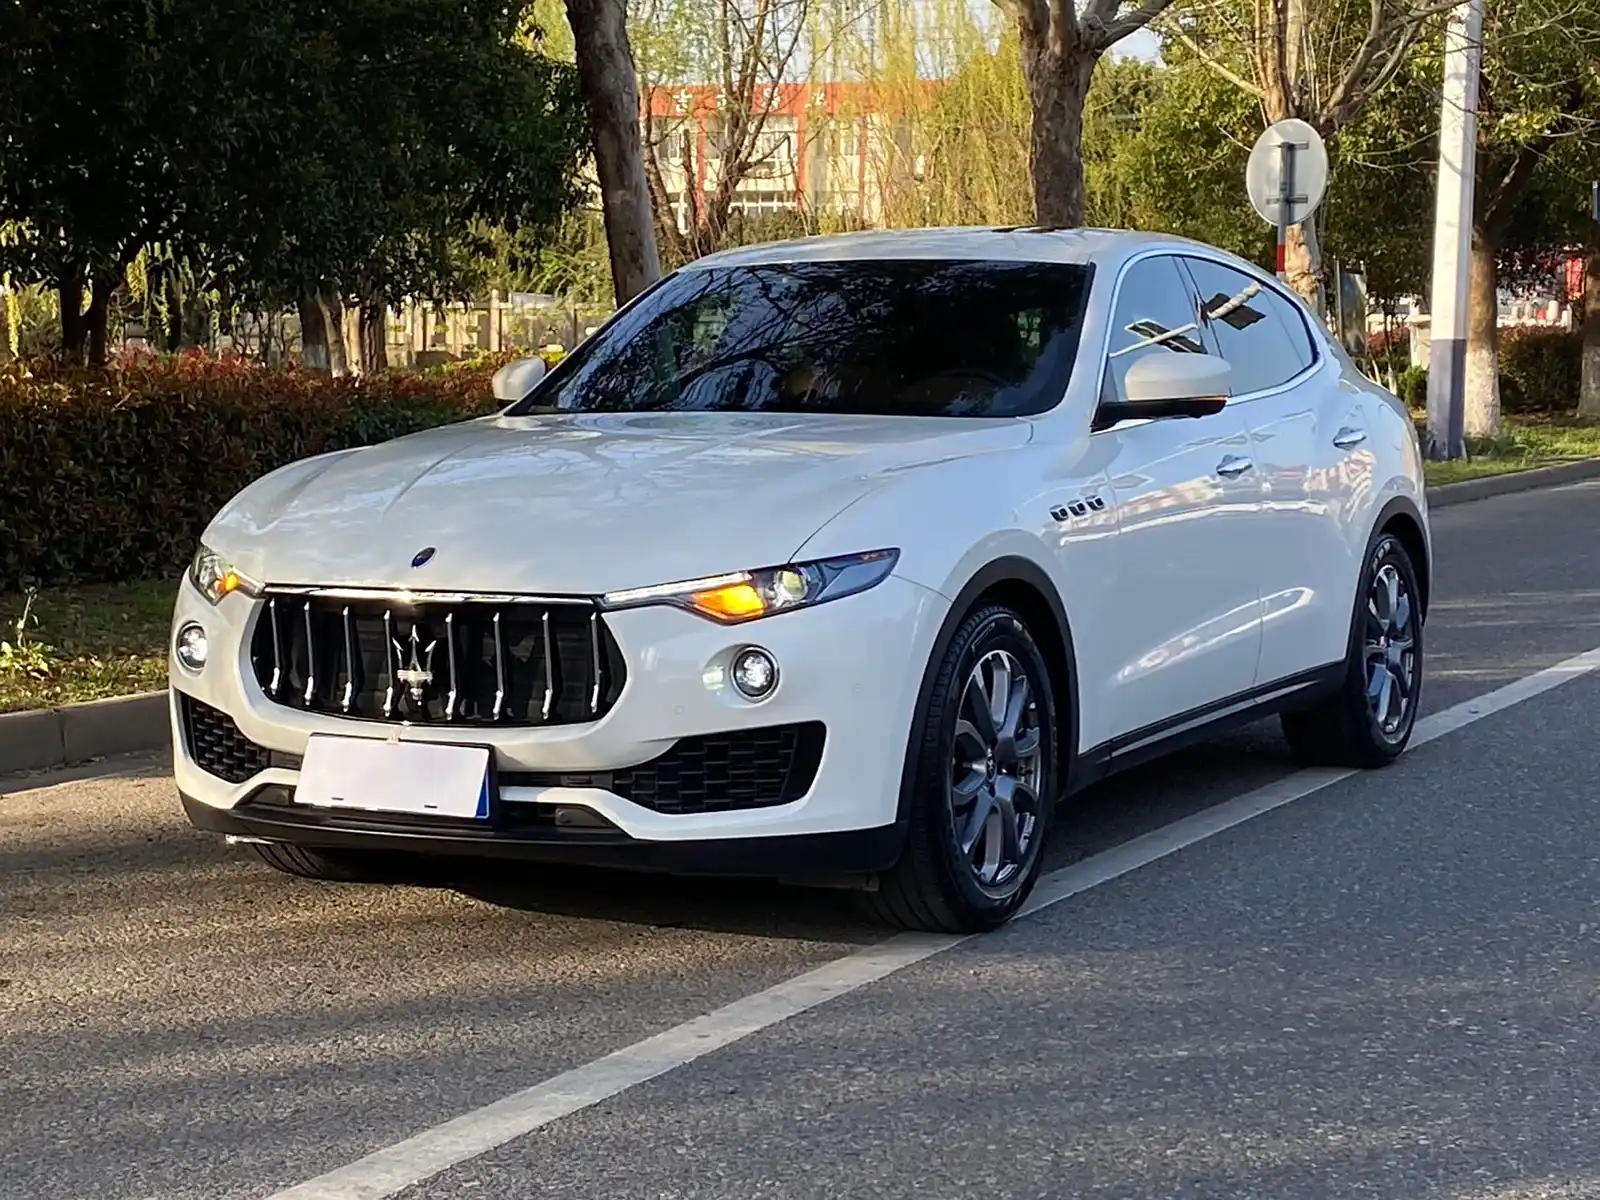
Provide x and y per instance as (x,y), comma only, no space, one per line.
(330,866)
(983,784)
(1369,721)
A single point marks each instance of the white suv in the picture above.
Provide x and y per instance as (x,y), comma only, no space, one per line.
(841,557)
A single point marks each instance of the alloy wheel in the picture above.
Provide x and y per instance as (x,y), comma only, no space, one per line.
(997,764)
(1391,659)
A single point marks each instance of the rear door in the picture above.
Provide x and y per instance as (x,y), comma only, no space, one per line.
(1300,427)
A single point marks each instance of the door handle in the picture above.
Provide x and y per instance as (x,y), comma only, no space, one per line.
(1349,436)
(1233,466)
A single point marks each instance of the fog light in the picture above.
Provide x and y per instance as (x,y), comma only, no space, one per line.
(192,647)
(754,673)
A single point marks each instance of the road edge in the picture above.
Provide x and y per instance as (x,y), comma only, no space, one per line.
(77,733)
(43,738)
(1444,495)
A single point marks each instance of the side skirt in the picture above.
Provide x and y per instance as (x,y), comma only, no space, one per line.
(1201,724)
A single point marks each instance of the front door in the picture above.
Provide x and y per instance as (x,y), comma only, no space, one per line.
(1301,425)
(1187,627)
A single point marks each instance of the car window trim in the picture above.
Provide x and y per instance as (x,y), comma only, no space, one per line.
(1179,253)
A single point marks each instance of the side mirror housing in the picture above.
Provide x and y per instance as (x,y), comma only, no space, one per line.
(1169,385)
(515,380)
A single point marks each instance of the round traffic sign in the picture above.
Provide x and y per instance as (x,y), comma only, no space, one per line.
(1308,174)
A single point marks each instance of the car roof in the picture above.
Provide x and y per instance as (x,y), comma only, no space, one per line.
(1019,244)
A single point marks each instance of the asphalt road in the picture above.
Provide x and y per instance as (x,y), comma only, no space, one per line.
(1388,987)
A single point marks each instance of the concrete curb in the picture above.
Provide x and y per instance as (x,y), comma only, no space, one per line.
(77,733)
(1516,481)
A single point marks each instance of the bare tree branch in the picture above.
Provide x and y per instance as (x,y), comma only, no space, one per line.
(1213,64)
(1102,34)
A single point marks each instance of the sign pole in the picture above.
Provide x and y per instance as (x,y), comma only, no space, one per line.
(1452,233)
(1286,199)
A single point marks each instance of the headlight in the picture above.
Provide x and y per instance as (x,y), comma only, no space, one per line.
(216,579)
(747,595)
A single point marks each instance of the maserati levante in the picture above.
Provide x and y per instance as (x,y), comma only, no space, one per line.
(847,560)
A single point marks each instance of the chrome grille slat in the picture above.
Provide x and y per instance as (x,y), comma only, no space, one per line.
(455,678)
(349,661)
(380,659)
(311,658)
(388,662)
(549,667)
(277,650)
(499,670)
(599,673)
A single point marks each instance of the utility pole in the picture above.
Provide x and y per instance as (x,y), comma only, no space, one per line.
(1452,232)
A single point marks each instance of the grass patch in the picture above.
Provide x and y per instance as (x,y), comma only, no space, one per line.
(104,639)
(1524,443)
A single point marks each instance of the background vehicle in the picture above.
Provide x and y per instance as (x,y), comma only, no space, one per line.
(844,556)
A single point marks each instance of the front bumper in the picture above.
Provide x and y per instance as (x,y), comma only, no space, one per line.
(853,666)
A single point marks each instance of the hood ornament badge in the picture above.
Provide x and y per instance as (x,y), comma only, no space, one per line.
(423,557)
(418,673)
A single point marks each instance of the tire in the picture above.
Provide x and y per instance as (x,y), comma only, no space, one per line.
(937,886)
(328,866)
(1346,730)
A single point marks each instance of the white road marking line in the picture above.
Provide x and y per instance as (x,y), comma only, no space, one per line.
(387,1171)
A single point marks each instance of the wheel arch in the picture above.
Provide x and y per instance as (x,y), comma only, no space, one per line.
(1401,517)
(1024,586)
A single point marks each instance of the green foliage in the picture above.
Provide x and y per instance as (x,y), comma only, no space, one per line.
(293,147)
(1414,387)
(1184,166)
(23,653)
(1541,370)
(113,475)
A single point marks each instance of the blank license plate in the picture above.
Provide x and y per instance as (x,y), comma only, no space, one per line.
(418,778)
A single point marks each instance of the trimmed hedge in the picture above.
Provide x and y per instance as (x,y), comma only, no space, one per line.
(113,475)
(1541,370)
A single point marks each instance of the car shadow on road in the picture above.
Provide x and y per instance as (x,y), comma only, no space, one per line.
(1102,817)
(753,907)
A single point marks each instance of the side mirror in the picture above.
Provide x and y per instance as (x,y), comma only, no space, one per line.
(515,380)
(1169,385)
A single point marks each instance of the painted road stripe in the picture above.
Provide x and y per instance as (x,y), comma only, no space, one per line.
(387,1171)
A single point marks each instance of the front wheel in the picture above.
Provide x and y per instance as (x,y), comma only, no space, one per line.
(1369,721)
(983,783)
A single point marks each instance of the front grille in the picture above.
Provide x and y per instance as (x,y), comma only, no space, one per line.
(724,772)
(464,663)
(219,748)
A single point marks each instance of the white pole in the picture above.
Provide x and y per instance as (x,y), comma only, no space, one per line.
(1452,232)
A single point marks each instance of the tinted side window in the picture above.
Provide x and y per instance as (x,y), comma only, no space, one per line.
(1154,299)
(1258,332)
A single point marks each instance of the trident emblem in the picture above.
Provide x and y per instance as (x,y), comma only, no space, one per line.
(418,673)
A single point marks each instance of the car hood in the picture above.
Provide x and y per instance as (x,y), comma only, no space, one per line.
(578,504)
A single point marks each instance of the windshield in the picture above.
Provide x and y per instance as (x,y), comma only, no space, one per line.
(877,337)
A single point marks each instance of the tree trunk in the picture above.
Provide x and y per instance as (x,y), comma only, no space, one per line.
(374,336)
(1589,393)
(610,88)
(313,334)
(1302,258)
(322,344)
(338,346)
(1482,406)
(97,320)
(74,329)
(1058,80)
